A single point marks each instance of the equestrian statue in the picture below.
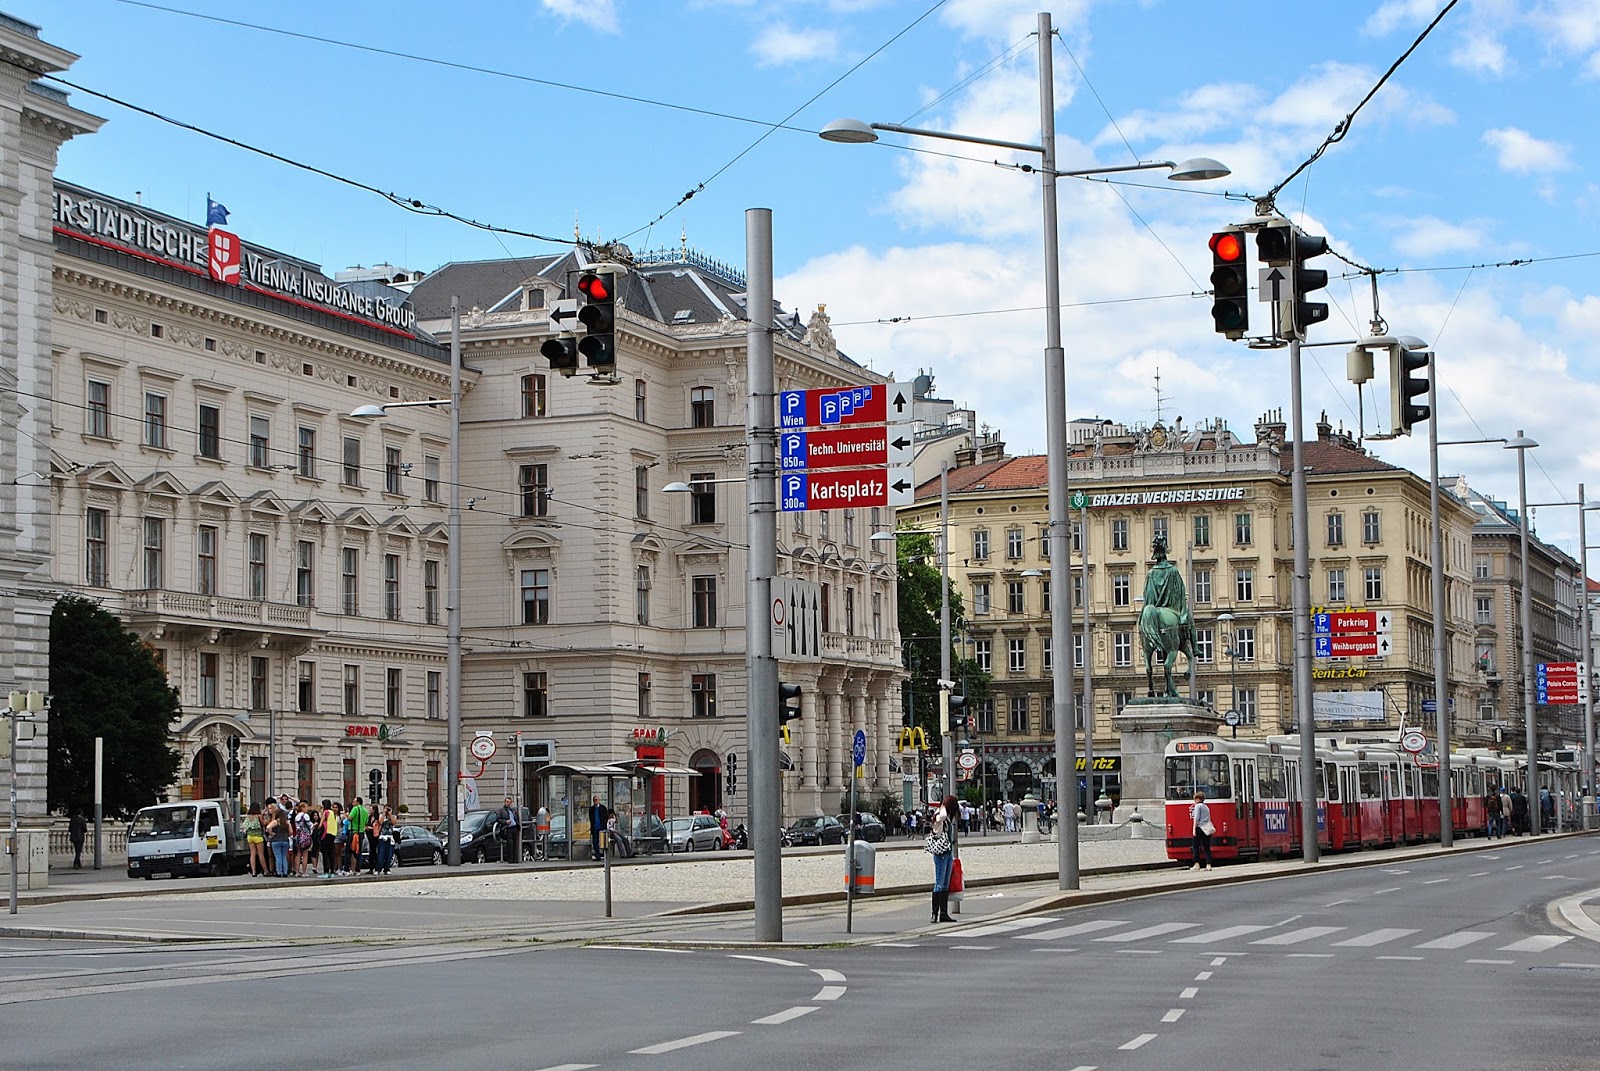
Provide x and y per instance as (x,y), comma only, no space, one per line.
(1165,625)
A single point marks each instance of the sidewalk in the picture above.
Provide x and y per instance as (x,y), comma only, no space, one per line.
(705,899)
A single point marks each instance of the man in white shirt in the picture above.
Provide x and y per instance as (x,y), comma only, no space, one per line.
(1201,814)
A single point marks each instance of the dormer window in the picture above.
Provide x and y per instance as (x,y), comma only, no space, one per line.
(533,298)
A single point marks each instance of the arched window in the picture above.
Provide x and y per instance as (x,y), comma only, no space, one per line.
(705,791)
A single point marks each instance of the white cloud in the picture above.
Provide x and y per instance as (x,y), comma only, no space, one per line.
(596,14)
(1520,151)
(1429,236)
(1394,14)
(1570,24)
(1481,54)
(1326,95)
(779,45)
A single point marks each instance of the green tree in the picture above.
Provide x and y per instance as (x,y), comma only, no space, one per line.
(105,682)
(918,589)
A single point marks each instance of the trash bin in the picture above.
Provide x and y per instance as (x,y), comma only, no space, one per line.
(863,872)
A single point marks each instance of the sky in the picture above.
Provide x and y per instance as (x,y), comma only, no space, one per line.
(555,117)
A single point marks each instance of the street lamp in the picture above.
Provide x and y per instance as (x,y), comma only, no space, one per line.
(453,588)
(1233,672)
(1522,444)
(1057,449)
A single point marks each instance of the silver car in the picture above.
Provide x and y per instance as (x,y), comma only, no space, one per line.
(695,833)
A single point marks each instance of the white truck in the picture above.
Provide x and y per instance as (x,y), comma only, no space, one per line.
(191,837)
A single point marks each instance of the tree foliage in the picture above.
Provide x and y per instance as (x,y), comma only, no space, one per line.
(919,588)
(106,682)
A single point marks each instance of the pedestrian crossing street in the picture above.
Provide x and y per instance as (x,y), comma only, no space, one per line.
(1113,933)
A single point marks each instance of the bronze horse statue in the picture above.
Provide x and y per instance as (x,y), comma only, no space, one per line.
(1165,626)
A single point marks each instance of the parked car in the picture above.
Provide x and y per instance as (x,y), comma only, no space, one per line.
(816,829)
(870,827)
(483,836)
(417,844)
(695,833)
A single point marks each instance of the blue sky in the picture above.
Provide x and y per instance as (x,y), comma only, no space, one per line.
(1476,151)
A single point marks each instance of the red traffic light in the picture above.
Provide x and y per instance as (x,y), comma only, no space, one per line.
(1227,246)
(594,287)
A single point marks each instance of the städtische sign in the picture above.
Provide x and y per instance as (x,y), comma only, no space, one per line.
(217,254)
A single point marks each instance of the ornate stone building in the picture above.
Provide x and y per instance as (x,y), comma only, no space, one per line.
(1223,505)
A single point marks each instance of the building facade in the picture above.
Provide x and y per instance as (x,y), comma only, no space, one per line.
(35,120)
(1223,507)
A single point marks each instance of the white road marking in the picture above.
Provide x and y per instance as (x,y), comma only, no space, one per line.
(1309,955)
(1499,962)
(642,948)
(1219,961)
(1294,937)
(973,948)
(1401,957)
(1203,976)
(1581,966)
(783,1017)
(683,1043)
(1380,892)
(827,975)
(1556,877)
(1068,931)
(1053,948)
(1459,939)
(1336,903)
(1150,931)
(1138,951)
(1517,867)
(1540,943)
(1387,870)
(1227,933)
(1142,1039)
(1007,926)
(1479,874)
(569,1067)
(1437,881)
(896,944)
(766,959)
(1173,1016)
(1291,918)
(1376,937)
(829,992)
(1543,862)
(1188,993)
(1085,1067)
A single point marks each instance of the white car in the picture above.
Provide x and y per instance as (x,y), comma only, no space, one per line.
(695,833)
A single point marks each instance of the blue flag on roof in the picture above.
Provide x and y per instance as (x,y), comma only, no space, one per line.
(216,212)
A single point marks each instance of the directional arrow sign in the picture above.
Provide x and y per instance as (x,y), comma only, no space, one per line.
(1271,285)
(564,315)
(900,452)
(902,487)
(898,402)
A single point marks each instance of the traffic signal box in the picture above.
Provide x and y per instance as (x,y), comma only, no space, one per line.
(562,353)
(788,708)
(599,319)
(1408,378)
(374,787)
(952,712)
(1230,286)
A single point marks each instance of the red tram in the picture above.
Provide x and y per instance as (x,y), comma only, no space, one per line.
(1370,793)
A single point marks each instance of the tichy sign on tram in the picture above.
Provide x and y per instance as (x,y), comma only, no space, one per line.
(1559,683)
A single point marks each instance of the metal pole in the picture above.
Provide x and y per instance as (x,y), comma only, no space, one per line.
(1188,579)
(1057,452)
(16,846)
(1587,658)
(1441,646)
(947,740)
(453,610)
(1530,788)
(272,756)
(1088,680)
(761,667)
(99,794)
(1309,849)
(850,856)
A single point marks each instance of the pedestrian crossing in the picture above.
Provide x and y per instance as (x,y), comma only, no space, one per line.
(1043,929)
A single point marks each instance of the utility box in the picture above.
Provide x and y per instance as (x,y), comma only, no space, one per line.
(862,875)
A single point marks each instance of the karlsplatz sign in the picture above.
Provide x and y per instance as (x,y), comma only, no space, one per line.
(216,254)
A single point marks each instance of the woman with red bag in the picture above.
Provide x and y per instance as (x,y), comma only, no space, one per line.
(941,845)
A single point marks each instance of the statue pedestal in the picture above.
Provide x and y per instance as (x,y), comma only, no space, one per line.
(1146,727)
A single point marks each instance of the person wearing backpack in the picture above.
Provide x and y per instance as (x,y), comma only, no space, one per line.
(1491,807)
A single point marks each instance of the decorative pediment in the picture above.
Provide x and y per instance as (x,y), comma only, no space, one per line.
(696,547)
(435,532)
(106,476)
(312,511)
(398,526)
(531,545)
(648,543)
(805,554)
(216,493)
(266,504)
(163,483)
(357,517)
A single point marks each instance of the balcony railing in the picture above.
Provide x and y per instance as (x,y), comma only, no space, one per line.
(217,609)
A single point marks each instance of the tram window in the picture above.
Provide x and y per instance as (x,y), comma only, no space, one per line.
(1430,784)
(1187,774)
(1371,785)
(1328,782)
(1269,772)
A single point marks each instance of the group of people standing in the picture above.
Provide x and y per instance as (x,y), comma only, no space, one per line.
(1508,811)
(290,839)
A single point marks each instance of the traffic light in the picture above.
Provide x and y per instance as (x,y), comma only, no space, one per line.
(233,767)
(562,353)
(1283,245)
(599,318)
(959,718)
(1408,377)
(375,787)
(731,773)
(1230,288)
(788,708)
(952,710)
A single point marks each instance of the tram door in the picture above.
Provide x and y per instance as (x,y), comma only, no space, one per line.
(1349,804)
(1246,808)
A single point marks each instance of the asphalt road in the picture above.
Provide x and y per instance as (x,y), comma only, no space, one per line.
(1447,961)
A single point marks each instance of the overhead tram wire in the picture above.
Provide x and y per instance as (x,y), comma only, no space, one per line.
(1343,128)
(869,57)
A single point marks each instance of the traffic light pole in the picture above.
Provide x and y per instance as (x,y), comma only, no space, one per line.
(1301,600)
(947,739)
(1441,645)
(761,666)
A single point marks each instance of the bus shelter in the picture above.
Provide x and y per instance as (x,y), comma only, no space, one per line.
(637,792)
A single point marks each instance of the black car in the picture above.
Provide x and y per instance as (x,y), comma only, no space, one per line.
(817,829)
(869,828)
(417,844)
